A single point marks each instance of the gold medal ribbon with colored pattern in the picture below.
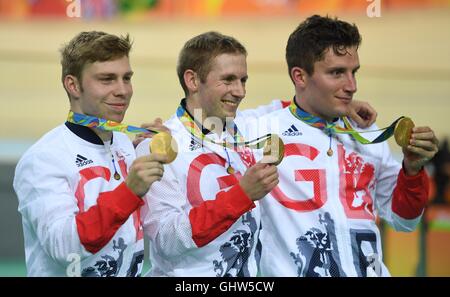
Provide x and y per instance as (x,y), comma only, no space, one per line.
(239,141)
(331,128)
(272,144)
(162,142)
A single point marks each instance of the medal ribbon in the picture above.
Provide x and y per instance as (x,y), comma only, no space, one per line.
(105,125)
(239,141)
(332,128)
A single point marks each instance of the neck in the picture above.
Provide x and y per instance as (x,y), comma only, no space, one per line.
(199,116)
(193,109)
(104,135)
(300,103)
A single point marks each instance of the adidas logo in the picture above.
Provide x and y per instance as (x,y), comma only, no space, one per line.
(194,145)
(82,161)
(292,131)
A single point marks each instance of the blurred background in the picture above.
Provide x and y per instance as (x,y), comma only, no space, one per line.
(405,70)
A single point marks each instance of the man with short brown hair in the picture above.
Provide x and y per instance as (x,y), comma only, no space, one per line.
(203,217)
(321,219)
(80,188)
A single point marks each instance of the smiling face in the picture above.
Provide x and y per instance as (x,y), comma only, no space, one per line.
(224,87)
(328,92)
(105,90)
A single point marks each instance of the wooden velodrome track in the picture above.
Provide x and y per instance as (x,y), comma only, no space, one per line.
(405,59)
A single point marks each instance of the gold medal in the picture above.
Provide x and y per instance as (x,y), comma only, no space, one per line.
(330,152)
(273,150)
(163,143)
(230,170)
(402,132)
(116,176)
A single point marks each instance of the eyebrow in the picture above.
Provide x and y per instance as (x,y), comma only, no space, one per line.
(343,68)
(232,76)
(109,74)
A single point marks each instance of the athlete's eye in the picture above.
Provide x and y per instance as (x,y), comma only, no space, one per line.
(107,79)
(336,72)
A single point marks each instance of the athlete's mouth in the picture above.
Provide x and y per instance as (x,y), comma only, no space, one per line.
(230,103)
(117,106)
(344,98)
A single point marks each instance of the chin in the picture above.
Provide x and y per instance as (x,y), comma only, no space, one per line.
(230,115)
(116,118)
(343,110)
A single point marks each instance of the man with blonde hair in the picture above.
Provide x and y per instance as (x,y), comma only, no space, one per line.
(203,217)
(80,188)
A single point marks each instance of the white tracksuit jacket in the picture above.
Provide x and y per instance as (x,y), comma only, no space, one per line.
(320,219)
(77,218)
(198,219)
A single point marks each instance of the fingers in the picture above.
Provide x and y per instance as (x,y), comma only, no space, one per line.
(422,148)
(362,113)
(259,180)
(424,144)
(371,119)
(421,129)
(158,158)
(157,125)
(424,138)
(273,178)
(270,170)
(152,157)
(146,125)
(273,184)
(424,133)
(263,170)
(143,172)
(156,122)
(369,114)
(154,173)
(147,167)
(259,166)
(423,153)
(269,177)
(145,164)
(356,118)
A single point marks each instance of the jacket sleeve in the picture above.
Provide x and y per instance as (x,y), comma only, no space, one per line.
(175,228)
(48,204)
(98,225)
(400,199)
(410,194)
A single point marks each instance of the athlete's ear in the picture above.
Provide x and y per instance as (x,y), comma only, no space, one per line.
(72,86)
(191,80)
(299,76)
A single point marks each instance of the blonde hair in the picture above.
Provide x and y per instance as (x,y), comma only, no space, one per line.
(198,53)
(90,47)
